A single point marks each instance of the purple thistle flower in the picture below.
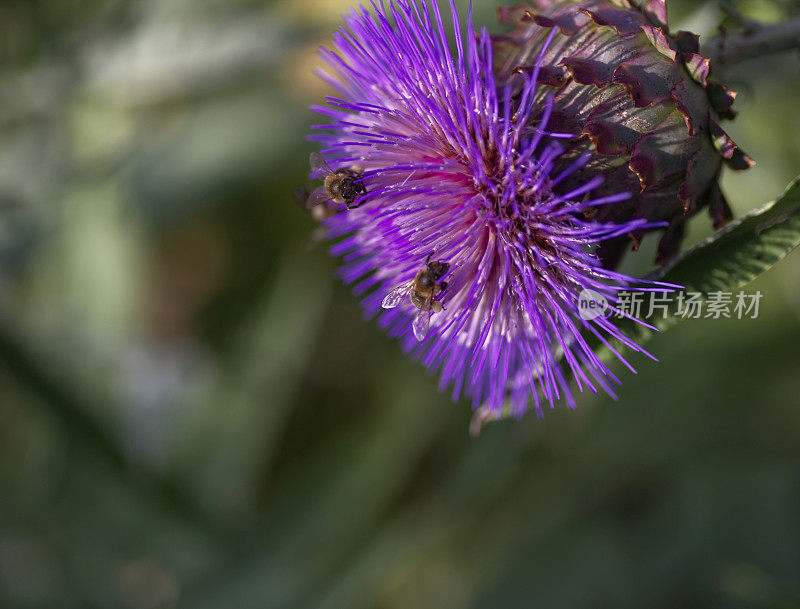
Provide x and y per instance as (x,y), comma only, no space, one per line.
(457,173)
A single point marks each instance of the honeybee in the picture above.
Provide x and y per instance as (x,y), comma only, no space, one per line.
(341,186)
(422,290)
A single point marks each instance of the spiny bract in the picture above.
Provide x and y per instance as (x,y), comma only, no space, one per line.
(640,98)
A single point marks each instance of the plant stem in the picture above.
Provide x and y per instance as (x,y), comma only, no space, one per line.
(728,49)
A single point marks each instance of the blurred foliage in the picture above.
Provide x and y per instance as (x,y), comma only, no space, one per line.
(195,415)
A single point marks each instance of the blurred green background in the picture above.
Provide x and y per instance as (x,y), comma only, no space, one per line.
(193,413)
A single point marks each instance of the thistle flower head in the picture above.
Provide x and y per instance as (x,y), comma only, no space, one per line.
(465,174)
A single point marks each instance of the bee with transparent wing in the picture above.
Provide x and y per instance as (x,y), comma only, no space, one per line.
(341,185)
(422,290)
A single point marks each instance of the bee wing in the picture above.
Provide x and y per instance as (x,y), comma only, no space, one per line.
(318,164)
(421,322)
(318,197)
(394,297)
